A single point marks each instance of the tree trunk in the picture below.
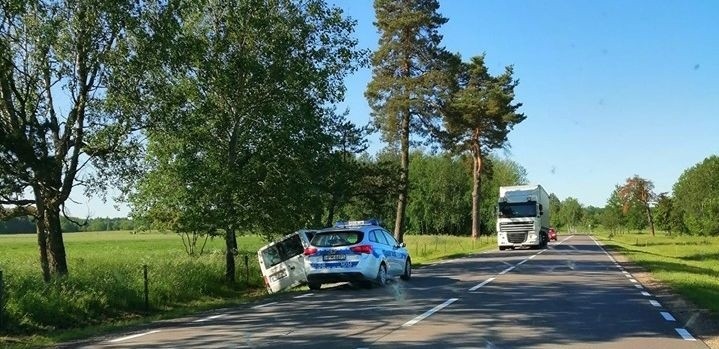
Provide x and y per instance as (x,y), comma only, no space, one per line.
(231,251)
(651,220)
(476,186)
(331,211)
(55,244)
(403,179)
(42,240)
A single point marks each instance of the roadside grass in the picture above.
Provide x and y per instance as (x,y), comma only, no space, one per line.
(688,264)
(105,289)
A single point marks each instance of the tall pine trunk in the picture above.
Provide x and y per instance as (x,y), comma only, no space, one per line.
(403,179)
(476,187)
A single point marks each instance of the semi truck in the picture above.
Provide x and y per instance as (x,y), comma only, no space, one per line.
(522,217)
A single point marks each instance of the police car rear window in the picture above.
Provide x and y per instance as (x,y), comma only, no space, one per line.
(337,238)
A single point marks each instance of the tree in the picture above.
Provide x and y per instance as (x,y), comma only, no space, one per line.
(478,117)
(407,80)
(571,212)
(640,190)
(245,116)
(696,197)
(555,206)
(57,71)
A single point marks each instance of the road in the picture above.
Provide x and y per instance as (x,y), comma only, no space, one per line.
(571,295)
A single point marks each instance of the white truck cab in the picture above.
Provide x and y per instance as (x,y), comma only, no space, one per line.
(282,262)
(522,217)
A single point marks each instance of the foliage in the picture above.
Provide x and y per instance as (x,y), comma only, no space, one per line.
(57,73)
(696,197)
(408,80)
(244,120)
(478,116)
(570,214)
(555,205)
(638,191)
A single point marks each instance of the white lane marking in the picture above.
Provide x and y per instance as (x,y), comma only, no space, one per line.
(476,287)
(634,281)
(263,305)
(685,334)
(629,276)
(210,318)
(133,336)
(522,262)
(638,286)
(506,270)
(304,295)
(667,316)
(429,312)
(655,303)
(645,293)
(532,256)
(625,272)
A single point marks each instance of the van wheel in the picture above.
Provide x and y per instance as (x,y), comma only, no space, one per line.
(314,286)
(407,270)
(382,275)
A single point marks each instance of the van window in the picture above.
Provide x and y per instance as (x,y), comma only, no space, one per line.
(337,238)
(282,251)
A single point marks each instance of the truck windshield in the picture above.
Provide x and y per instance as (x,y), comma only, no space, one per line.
(518,209)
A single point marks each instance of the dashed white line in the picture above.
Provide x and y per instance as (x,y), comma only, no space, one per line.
(628,276)
(263,305)
(506,270)
(210,318)
(532,256)
(667,316)
(638,286)
(522,262)
(625,272)
(304,295)
(476,287)
(655,303)
(429,312)
(646,294)
(133,336)
(634,281)
(685,334)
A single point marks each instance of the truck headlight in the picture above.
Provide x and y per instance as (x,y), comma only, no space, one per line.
(532,236)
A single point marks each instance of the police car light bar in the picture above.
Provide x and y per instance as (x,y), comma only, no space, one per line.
(342,224)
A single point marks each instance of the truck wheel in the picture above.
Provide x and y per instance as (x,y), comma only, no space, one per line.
(502,248)
(314,286)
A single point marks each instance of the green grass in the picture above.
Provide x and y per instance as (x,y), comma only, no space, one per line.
(105,288)
(688,264)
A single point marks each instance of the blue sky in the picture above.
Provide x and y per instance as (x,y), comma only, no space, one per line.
(610,88)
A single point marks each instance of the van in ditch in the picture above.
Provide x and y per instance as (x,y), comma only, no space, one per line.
(282,262)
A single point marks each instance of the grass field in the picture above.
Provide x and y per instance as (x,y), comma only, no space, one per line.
(105,289)
(688,264)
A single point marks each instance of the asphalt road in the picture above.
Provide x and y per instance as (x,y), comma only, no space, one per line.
(570,295)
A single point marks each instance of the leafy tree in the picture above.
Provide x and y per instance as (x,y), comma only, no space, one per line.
(571,213)
(555,205)
(478,117)
(612,217)
(408,79)
(663,212)
(58,63)
(638,190)
(245,117)
(696,197)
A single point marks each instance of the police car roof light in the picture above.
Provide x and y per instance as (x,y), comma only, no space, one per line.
(342,224)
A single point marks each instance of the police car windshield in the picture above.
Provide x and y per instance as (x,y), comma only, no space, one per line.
(337,238)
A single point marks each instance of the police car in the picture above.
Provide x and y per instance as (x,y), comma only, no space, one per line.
(360,252)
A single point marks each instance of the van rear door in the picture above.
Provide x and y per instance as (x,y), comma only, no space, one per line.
(282,263)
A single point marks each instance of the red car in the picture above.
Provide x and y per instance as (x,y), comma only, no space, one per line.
(552,234)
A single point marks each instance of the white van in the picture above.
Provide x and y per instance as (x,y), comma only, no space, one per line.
(282,262)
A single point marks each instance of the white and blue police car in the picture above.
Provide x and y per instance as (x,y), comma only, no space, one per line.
(359,252)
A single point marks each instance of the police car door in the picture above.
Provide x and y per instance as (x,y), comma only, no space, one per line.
(282,263)
(394,254)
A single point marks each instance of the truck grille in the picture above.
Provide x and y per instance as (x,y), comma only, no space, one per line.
(516,238)
(516,227)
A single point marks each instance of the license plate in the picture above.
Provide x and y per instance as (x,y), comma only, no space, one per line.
(334,257)
(278,275)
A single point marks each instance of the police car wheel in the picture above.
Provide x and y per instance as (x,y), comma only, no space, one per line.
(382,275)
(407,270)
(314,286)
